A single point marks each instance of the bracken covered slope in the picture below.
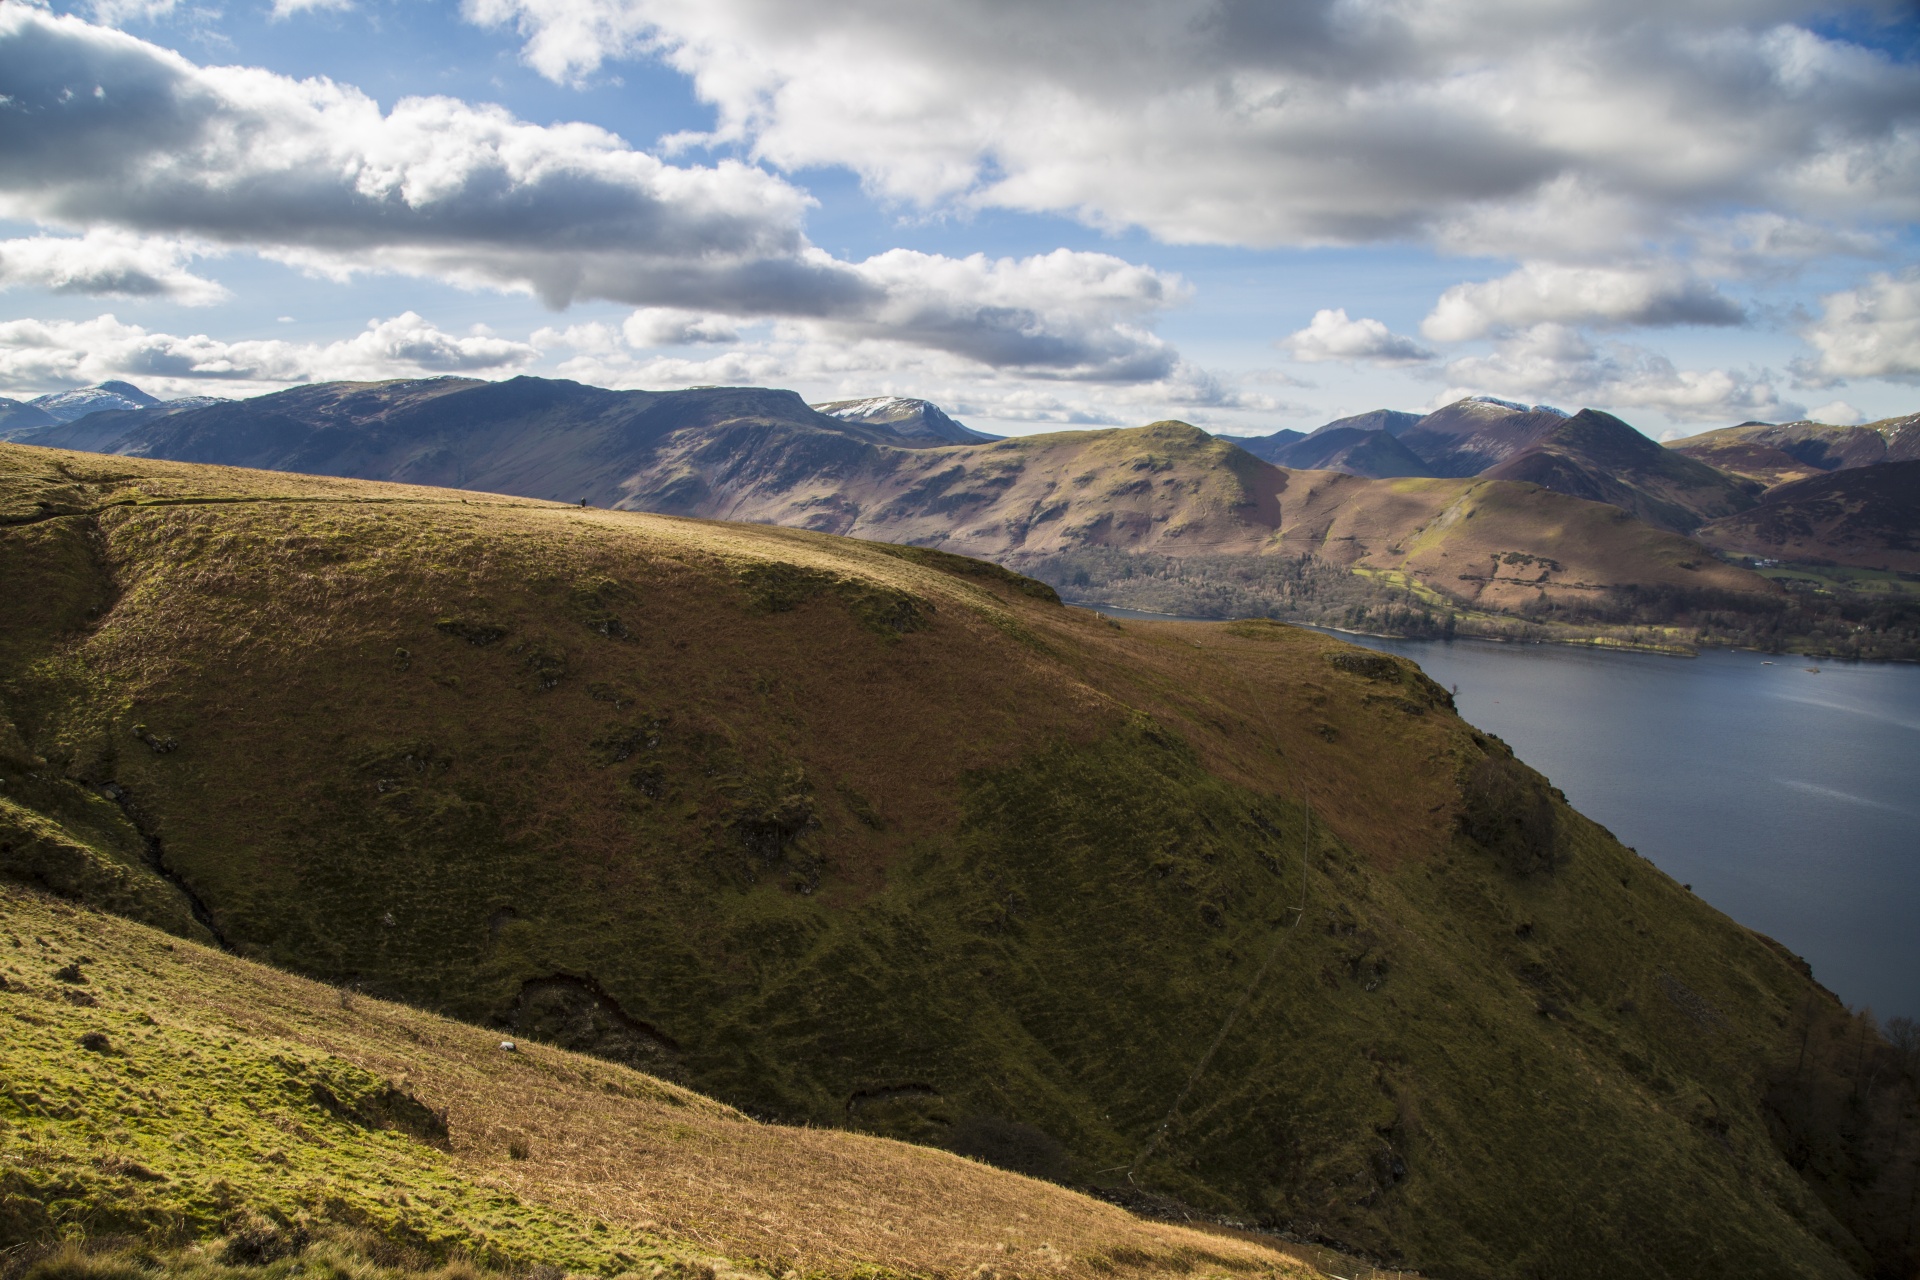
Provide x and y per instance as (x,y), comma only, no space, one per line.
(871,837)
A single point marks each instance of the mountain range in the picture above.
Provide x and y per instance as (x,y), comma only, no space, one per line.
(1493,513)
(122,407)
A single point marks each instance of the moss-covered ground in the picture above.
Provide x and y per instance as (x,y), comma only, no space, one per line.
(1220,919)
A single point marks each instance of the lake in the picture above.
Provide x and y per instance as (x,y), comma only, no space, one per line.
(1788,798)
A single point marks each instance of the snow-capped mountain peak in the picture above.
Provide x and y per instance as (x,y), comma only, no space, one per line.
(65,406)
(906,417)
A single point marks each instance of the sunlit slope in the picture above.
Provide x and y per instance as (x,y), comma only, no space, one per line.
(1171,489)
(873,838)
(1778,454)
(1596,456)
(1495,544)
(1153,488)
(163,1090)
(1044,504)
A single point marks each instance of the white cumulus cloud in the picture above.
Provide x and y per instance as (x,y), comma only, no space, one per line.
(1488,123)
(1333,336)
(1837,413)
(106,263)
(1556,363)
(284,9)
(832,365)
(1063,314)
(1537,293)
(668,327)
(102,131)
(38,354)
(1869,332)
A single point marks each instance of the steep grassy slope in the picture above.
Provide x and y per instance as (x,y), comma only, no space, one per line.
(1495,544)
(1866,517)
(162,1090)
(876,838)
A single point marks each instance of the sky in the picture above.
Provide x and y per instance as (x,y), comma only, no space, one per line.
(1246,214)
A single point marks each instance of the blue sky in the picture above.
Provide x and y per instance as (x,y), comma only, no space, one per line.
(1247,215)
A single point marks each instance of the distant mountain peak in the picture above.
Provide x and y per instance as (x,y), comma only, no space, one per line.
(128,390)
(1517,407)
(65,406)
(871,407)
(905,416)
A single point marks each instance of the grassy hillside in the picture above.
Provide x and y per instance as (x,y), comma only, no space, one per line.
(1779,454)
(1096,513)
(1093,512)
(164,1091)
(873,838)
(1596,456)
(1863,517)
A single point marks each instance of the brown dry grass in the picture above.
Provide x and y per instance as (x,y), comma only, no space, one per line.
(607,1144)
(1052,674)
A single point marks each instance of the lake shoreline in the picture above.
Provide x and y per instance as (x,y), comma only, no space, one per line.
(1592,643)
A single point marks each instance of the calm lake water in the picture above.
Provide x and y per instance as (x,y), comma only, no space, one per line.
(1788,799)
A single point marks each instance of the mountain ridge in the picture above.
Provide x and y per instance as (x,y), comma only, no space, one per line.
(1866,517)
(1778,453)
(1163,518)
(1596,456)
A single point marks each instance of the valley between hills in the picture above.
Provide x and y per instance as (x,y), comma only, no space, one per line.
(853,909)
(1483,518)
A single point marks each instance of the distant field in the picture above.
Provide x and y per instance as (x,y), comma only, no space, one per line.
(1867,581)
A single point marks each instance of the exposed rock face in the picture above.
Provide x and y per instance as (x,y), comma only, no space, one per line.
(576,1013)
